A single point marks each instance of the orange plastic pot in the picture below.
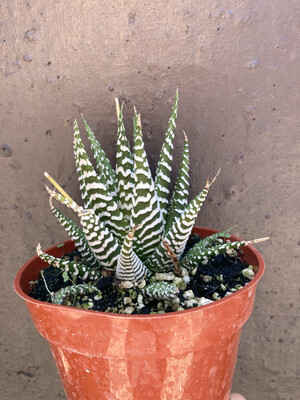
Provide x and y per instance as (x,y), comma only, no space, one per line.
(188,355)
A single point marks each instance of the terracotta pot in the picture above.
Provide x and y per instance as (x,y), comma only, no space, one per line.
(182,355)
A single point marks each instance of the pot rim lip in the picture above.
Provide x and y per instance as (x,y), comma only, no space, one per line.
(251,285)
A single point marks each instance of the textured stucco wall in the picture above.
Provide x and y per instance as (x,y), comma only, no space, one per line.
(235,63)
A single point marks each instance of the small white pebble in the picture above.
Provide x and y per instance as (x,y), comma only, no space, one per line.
(248,273)
(186,279)
(125,285)
(142,284)
(231,252)
(189,294)
(216,296)
(177,280)
(126,300)
(203,301)
(206,278)
(140,299)
(190,303)
(164,276)
(129,310)
(194,271)
(184,271)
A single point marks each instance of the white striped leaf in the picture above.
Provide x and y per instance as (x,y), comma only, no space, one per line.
(102,162)
(164,166)
(124,169)
(78,237)
(178,234)
(160,291)
(130,267)
(145,210)
(72,292)
(75,269)
(197,254)
(179,199)
(209,241)
(103,244)
(100,199)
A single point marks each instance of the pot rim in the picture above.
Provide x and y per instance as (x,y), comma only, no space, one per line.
(251,285)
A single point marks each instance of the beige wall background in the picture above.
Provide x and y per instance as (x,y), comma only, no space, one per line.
(236,65)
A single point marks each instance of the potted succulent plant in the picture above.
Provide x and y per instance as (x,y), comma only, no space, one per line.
(133,306)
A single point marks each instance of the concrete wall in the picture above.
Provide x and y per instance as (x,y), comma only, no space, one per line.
(235,64)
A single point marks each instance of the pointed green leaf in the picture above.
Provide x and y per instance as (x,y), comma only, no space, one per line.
(72,292)
(124,169)
(78,237)
(103,164)
(197,254)
(164,166)
(145,210)
(178,235)
(179,199)
(102,243)
(130,267)
(99,197)
(209,240)
(160,291)
(76,269)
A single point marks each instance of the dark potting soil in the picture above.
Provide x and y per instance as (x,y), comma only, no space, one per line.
(221,275)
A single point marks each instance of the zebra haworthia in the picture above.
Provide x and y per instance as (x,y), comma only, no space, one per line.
(117,200)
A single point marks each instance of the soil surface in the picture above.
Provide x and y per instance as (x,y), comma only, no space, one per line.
(221,276)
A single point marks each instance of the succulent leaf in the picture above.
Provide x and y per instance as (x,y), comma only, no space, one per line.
(75,269)
(78,237)
(179,199)
(124,169)
(145,210)
(196,255)
(164,166)
(103,164)
(73,292)
(103,244)
(209,240)
(178,234)
(160,291)
(101,241)
(130,267)
(98,194)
